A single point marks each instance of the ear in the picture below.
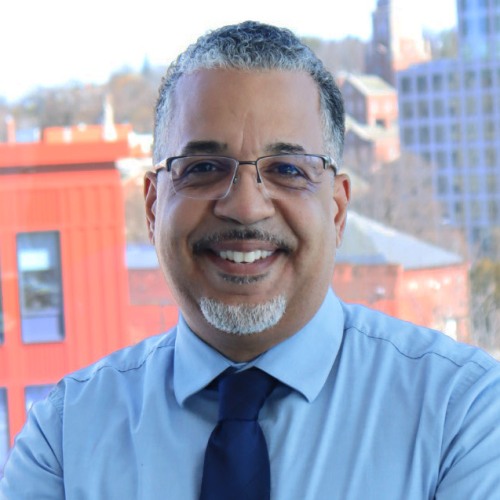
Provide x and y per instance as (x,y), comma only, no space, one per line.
(150,198)
(341,196)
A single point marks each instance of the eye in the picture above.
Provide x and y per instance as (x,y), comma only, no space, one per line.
(203,167)
(286,169)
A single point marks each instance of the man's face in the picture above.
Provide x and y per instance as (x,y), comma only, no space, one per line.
(246,115)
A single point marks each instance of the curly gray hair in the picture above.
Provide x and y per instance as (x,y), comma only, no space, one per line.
(252,46)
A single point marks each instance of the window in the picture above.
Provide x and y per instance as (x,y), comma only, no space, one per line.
(437,82)
(441,159)
(423,109)
(470,79)
(407,110)
(408,136)
(487,104)
(486,78)
(424,135)
(456,159)
(474,184)
(458,185)
(442,185)
(440,134)
(454,107)
(4,428)
(422,84)
(489,131)
(40,287)
(438,108)
(470,106)
(493,211)
(34,393)
(490,156)
(405,85)
(473,158)
(491,184)
(471,132)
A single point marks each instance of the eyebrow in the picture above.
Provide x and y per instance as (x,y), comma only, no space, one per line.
(284,148)
(215,147)
(208,147)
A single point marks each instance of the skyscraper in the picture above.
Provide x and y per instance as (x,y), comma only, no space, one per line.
(450,114)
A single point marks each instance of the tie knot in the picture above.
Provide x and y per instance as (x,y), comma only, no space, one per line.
(242,394)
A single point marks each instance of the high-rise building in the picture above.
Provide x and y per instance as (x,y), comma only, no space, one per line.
(449,112)
(397,40)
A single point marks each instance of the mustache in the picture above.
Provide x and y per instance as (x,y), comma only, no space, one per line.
(241,234)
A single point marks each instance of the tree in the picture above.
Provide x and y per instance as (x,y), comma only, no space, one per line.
(485,303)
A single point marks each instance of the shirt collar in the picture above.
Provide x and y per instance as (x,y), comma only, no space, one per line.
(302,361)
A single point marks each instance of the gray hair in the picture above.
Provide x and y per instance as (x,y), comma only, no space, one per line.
(252,46)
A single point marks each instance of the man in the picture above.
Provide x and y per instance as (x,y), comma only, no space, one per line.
(246,208)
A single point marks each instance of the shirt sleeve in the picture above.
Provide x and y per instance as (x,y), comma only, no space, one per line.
(34,469)
(470,467)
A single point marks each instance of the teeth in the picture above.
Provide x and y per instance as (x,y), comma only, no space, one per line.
(247,257)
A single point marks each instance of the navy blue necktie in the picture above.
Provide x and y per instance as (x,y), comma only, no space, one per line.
(236,459)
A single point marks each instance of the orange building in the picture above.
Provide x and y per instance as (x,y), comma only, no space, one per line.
(63,283)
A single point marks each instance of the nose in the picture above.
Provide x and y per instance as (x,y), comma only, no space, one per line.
(247,201)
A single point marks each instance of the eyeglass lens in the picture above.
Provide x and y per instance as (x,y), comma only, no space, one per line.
(211,177)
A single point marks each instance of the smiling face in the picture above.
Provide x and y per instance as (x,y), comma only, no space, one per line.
(247,249)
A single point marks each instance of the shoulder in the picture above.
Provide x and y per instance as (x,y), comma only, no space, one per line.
(400,339)
(116,372)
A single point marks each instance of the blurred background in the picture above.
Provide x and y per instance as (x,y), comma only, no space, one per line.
(78,85)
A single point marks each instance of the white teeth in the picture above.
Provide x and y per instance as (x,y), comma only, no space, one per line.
(247,257)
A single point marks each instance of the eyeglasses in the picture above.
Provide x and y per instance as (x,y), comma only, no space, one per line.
(210,177)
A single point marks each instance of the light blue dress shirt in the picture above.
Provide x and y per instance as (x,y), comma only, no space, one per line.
(370,408)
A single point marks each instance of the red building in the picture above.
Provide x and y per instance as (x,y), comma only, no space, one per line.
(63,282)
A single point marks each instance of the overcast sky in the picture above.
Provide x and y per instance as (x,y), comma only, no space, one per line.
(50,42)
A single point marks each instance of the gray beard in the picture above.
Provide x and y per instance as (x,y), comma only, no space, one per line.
(243,319)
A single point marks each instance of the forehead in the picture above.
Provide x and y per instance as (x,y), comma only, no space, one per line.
(246,108)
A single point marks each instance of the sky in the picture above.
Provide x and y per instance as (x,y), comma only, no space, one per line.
(53,42)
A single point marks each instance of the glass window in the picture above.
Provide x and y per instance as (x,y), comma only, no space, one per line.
(490,156)
(4,428)
(405,85)
(470,79)
(493,211)
(422,84)
(454,107)
(424,135)
(456,132)
(491,183)
(489,130)
(40,287)
(408,135)
(458,184)
(470,105)
(487,104)
(472,131)
(438,106)
(486,78)
(423,109)
(473,158)
(34,393)
(474,184)
(442,185)
(456,159)
(441,159)
(453,82)
(437,81)
(407,110)
(440,133)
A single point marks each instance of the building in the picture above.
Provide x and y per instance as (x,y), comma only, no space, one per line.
(403,276)
(372,135)
(63,281)
(450,115)
(397,40)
